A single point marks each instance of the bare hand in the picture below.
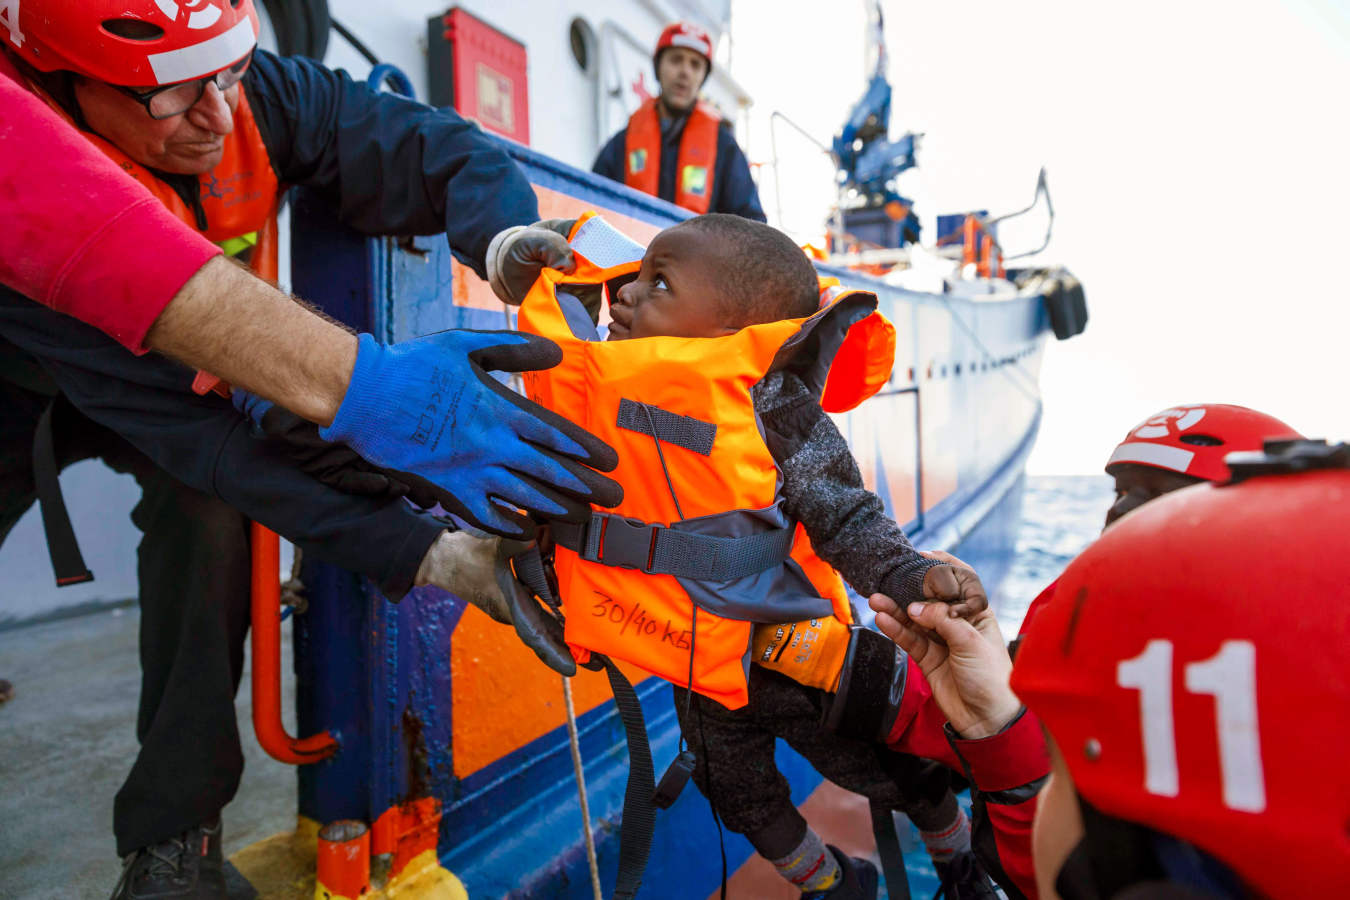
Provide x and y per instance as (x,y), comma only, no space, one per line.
(954,583)
(965,662)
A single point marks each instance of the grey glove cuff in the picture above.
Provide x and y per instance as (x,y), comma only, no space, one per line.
(494,269)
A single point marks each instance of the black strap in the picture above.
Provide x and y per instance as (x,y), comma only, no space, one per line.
(61,544)
(662,424)
(658,550)
(888,847)
(639,815)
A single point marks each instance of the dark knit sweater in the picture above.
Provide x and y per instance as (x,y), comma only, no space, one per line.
(823,489)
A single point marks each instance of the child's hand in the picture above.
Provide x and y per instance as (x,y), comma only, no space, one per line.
(954,583)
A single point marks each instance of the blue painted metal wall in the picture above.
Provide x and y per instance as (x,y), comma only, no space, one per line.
(954,425)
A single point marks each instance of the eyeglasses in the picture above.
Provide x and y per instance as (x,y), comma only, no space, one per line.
(176,99)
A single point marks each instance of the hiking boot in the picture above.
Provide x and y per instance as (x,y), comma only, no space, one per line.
(963,878)
(187,867)
(858,881)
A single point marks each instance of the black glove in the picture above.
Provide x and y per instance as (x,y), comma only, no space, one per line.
(336,465)
(871,686)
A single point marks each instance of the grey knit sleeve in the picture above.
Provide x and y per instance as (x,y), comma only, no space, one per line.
(823,489)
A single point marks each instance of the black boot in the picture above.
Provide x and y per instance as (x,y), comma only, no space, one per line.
(858,880)
(963,878)
(187,867)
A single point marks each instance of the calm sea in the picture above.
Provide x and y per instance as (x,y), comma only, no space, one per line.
(1061,514)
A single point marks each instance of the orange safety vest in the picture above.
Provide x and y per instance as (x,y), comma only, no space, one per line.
(696,161)
(239,196)
(700,548)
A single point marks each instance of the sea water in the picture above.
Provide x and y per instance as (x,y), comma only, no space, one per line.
(1061,514)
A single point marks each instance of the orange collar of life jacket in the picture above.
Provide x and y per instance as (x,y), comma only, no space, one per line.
(695,163)
(238,196)
(700,548)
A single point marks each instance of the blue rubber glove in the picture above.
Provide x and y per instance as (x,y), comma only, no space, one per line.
(427,410)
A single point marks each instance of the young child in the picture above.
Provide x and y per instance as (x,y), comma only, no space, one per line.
(711,276)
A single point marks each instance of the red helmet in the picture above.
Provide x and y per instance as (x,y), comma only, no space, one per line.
(686,35)
(1191,668)
(1194,439)
(133,42)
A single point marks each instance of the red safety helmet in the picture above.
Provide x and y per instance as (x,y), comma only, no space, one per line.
(133,42)
(1194,439)
(686,35)
(1191,668)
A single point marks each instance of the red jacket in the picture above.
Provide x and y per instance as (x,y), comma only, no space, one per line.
(1006,772)
(78,234)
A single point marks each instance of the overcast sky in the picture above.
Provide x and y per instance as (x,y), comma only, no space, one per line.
(1197,156)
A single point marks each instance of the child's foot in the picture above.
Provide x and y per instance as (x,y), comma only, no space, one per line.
(963,878)
(858,880)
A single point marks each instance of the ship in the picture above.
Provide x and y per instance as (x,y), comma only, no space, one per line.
(427,736)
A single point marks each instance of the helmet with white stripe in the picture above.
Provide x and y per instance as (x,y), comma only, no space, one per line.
(134,43)
(1193,440)
(686,35)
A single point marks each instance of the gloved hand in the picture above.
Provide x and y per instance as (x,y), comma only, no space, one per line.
(515,256)
(336,465)
(477,569)
(427,410)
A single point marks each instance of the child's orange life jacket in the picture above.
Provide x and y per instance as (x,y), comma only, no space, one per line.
(673,578)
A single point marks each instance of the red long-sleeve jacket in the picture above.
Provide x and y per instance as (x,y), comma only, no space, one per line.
(78,234)
(1006,772)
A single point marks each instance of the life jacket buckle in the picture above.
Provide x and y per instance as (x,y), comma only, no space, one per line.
(625,543)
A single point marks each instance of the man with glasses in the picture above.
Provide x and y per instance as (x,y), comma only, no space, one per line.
(175,95)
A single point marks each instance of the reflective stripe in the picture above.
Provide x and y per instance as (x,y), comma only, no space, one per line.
(1173,458)
(604,245)
(202,59)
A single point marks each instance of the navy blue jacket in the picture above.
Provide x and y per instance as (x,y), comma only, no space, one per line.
(733,191)
(389,166)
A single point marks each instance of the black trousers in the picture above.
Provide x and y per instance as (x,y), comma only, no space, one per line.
(736,770)
(193,568)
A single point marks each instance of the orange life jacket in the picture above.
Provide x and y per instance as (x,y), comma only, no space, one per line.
(700,548)
(694,165)
(238,196)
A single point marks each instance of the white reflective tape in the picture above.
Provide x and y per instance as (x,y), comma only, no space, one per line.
(693,43)
(200,60)
(1160,455)
(604,245)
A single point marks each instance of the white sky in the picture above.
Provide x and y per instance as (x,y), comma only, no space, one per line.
(1197,157)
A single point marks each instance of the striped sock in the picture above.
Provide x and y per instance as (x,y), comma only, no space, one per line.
(811,867)
(955,838)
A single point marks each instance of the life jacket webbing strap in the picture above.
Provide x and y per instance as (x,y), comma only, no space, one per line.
(639,813)
(888,848)
(613,540)
(673,428)
(62,546)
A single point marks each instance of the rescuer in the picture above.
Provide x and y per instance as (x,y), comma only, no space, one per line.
(1179,732)
(141,146)
(678,147)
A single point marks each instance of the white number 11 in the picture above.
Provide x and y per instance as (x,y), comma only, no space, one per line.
(1230,677)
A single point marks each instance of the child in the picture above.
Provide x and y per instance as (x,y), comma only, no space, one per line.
(711,276)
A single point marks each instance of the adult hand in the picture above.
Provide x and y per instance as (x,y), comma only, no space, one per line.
(515,256)
(965,662)
(336,465)
(476,569)
(428,410)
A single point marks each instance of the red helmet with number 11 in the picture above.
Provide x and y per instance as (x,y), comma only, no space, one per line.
(134,43)
(1191,669)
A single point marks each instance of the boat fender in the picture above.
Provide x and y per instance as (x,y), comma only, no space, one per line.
(1065,304)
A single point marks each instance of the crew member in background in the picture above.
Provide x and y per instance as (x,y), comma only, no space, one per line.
(678,147)
(95,94)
